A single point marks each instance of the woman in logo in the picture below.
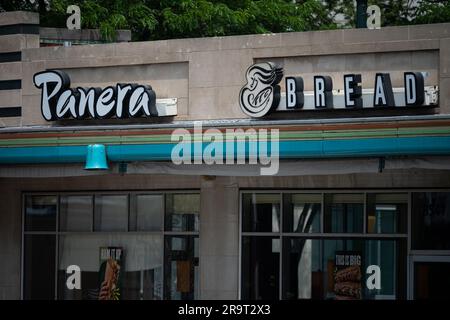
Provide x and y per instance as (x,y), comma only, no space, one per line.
(261,94)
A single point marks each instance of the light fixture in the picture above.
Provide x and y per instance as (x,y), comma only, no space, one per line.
(96,157)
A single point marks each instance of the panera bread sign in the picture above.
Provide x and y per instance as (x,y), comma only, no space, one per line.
(124,100)
(262,94)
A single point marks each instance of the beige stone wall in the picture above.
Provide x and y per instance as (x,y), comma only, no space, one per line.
(206,74)
(366,64)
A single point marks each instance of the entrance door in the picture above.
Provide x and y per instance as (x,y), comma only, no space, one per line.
(430,277)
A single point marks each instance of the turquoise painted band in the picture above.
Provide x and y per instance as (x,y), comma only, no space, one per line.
(435,145)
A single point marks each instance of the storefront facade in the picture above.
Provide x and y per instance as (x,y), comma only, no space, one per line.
(359,208)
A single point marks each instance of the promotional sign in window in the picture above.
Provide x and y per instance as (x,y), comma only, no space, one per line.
(110,273)
(347,275)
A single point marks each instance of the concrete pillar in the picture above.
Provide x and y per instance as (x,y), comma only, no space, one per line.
(219,238)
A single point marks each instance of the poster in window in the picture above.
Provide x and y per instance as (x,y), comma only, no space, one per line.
(347,275)
(184,276)
(111,262)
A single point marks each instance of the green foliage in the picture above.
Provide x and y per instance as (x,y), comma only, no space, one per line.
(397,12)
(184,18)
(111,15)
(166,19)
(433,12)
(200,18)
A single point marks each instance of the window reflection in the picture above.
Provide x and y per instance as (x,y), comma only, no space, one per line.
(302,212)
(40,213)
(344,213)
(76,213)
(303,275)
(149,212)
(386,213)
(182,212)
(261,212)
(327,266)
(111,213)
(138,273)
(336,269)
(181,268)
(260,268)
(431,220)
(140,267)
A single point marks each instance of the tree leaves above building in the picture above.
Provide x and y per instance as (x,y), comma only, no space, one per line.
(166,19)
(183,18)
(199,18)
(395,12)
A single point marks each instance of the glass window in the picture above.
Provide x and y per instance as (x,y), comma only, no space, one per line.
(430,220)
(302,212)
(261,212)
(39,267)
(303,275)
(75,213)
(114,264)
(111,213)
(431,280)
(344,213)
(339,269)
(143,285)
(149,212)
(323,267)
(139,259)
(40,213)
(260,268)
(182,212)
(387,212)
(181,265)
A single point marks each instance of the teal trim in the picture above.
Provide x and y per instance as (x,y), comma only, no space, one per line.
(287,150)
(139,152)
(70,154)
(387,146)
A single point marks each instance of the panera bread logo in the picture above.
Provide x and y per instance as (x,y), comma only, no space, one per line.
(261,93)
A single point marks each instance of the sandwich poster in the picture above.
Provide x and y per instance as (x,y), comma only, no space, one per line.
(111,262)
(347,275)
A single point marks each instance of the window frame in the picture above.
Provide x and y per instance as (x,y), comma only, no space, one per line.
(365,235)
(131,211)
